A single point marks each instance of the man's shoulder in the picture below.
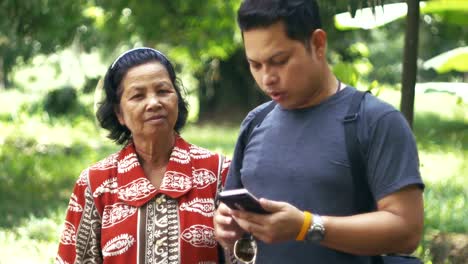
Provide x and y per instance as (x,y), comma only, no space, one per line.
(374,108)
(253,113)
(258,109)
(372,102)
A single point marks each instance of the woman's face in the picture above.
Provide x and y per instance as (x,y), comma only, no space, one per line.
(148,102)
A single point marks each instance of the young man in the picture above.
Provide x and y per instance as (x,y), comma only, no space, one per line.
(296,159)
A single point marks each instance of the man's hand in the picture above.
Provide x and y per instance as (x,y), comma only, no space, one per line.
(283,224)
(227,231)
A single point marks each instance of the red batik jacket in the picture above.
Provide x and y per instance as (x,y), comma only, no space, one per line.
(116,215)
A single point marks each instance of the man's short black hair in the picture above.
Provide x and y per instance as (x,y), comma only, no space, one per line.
(300,17)
(113,91)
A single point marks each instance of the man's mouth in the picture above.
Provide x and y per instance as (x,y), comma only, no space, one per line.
(277,96)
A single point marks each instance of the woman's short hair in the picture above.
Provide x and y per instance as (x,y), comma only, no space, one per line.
(112,90)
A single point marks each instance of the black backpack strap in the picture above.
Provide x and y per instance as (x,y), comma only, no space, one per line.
(244,137)
(363,199)
(256,121)
(358,167)
(243,140)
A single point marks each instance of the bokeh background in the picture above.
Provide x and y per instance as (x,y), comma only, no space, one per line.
(53,54)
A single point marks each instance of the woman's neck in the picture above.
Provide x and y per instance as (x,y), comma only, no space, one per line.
(156,151)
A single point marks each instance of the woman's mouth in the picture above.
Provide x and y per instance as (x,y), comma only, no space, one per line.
(155,118)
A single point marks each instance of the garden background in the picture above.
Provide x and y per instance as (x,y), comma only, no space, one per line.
(53,53)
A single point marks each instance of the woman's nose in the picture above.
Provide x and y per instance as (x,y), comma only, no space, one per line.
(153,101)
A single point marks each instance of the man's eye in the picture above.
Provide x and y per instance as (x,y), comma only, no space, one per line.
(280,62)
(255,66)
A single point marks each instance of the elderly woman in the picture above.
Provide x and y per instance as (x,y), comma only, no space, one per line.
(153,201)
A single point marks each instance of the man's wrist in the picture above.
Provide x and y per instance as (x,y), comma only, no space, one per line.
(316,232)
(307,220)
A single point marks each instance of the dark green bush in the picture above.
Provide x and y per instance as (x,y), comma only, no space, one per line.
(90,85)
(61,101)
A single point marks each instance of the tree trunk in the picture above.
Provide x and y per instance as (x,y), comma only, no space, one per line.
(227,90)
(2,76)
(410,57)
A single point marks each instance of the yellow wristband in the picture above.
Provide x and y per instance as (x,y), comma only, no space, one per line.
(305,226)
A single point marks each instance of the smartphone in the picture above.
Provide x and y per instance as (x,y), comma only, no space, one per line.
(241,199)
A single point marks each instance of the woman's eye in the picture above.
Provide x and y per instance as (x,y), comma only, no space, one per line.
(164,91)
(136,96)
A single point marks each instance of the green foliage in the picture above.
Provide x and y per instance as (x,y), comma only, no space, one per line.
(33,176)
(446,206)
(227,84)
(28,28)
(346,72)
(59,107)
(41,155)
(179,24)
(40,229)
(352,64)
(33,240)
(386,53)
(452,11)
(61,101)
(436,133)
(90,85)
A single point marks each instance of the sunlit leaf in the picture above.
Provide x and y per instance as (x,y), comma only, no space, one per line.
(366,18)
(453,60)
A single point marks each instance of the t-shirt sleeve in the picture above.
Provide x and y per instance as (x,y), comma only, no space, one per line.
(233,180)
(393,161)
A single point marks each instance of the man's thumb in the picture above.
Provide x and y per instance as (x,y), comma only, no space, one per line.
(270,205)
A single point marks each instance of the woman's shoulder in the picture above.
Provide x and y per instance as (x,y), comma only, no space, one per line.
(108,163)
(103,170)
(197,152)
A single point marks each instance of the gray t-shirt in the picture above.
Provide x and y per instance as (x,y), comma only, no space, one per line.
(299,156)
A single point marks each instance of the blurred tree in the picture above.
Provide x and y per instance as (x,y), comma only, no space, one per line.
(226,84)
(35,27)
(410,57)
(450,12)
(193,33)
(440,32)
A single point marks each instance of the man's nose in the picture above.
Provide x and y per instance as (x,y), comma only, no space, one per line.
(269,78)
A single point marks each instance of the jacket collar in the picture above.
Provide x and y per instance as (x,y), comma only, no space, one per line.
(180,176)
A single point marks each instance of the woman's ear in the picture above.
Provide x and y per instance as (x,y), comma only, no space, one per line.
(119,114)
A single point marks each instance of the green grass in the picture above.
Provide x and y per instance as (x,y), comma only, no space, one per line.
(32,240)
(213,137)
(41,158)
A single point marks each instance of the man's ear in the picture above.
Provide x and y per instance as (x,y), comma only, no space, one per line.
(318,42)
